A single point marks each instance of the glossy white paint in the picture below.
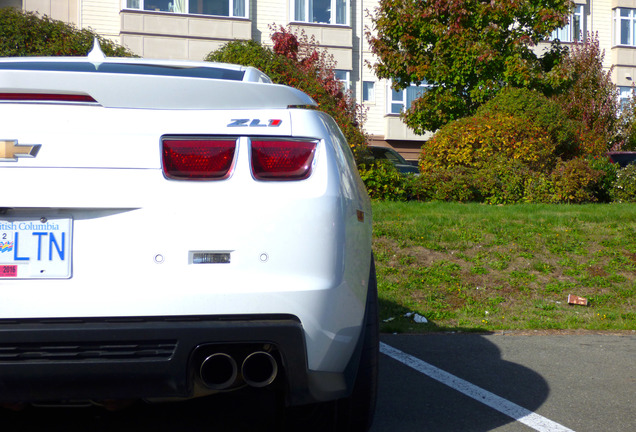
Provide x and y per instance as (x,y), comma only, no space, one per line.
(296,247)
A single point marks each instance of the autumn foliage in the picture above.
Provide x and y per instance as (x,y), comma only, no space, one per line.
(588,95)
(475,141)
(526,146)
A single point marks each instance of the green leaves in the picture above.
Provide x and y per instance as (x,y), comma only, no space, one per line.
(624,189)
(469,49)
(26,34)
(383,181)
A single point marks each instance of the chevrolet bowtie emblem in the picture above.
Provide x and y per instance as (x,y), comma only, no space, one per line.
(10,150)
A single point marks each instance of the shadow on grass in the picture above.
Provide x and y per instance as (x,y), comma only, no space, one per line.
(395,318)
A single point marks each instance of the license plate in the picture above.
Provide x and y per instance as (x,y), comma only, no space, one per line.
(35,248)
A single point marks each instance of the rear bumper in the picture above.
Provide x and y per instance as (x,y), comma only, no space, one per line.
(148,357)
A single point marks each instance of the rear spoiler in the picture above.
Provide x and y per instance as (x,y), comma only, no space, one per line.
(147,84)
(154,92)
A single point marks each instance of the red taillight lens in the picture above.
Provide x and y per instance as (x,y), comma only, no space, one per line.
(282,159)
(46,97)
(198,159)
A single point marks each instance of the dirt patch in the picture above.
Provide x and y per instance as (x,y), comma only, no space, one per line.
(595,271)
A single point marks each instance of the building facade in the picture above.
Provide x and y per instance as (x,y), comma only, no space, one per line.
(190,29)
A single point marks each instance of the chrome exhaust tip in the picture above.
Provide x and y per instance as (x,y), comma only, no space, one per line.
(259,369)
(218,371)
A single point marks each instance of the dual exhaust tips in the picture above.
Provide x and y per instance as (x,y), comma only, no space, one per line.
(219,371)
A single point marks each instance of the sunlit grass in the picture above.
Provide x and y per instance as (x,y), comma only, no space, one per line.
(476,267)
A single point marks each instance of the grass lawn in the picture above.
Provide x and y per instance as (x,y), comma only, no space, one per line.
(474,267)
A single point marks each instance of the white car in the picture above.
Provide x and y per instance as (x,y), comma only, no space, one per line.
(170,230)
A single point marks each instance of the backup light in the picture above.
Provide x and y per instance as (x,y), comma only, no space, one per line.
(280,159)
(197,159)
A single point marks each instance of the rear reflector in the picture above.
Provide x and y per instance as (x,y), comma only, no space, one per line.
(280,159)
(46,97)
(198,159)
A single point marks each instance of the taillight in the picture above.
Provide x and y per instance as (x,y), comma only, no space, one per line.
(278,159)
(198,159)
(46,97)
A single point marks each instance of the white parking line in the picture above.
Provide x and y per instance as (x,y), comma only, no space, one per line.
(520,414)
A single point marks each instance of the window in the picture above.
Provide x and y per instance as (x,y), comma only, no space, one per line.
(321,11)
(624,23)
(625,95)
(228,8)
(11,3)
(575,29)
(343,77)
(368,91)
(401,99)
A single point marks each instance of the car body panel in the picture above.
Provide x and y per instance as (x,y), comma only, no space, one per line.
(296,248)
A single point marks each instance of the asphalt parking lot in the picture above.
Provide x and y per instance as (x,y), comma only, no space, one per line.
(510,382)
(516,382)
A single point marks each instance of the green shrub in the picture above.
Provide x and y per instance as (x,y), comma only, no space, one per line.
(383,181)
(27,34)
(521,147)
(525,146)
(474,141)
(457,184)
(518,125)
(538,188)
(624,189)
(505,181)
(574,181)
(420,188)
(540,111)
(446,184)
(602,189)
(502,181)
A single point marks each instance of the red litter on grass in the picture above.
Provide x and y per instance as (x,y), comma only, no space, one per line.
(576,300)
